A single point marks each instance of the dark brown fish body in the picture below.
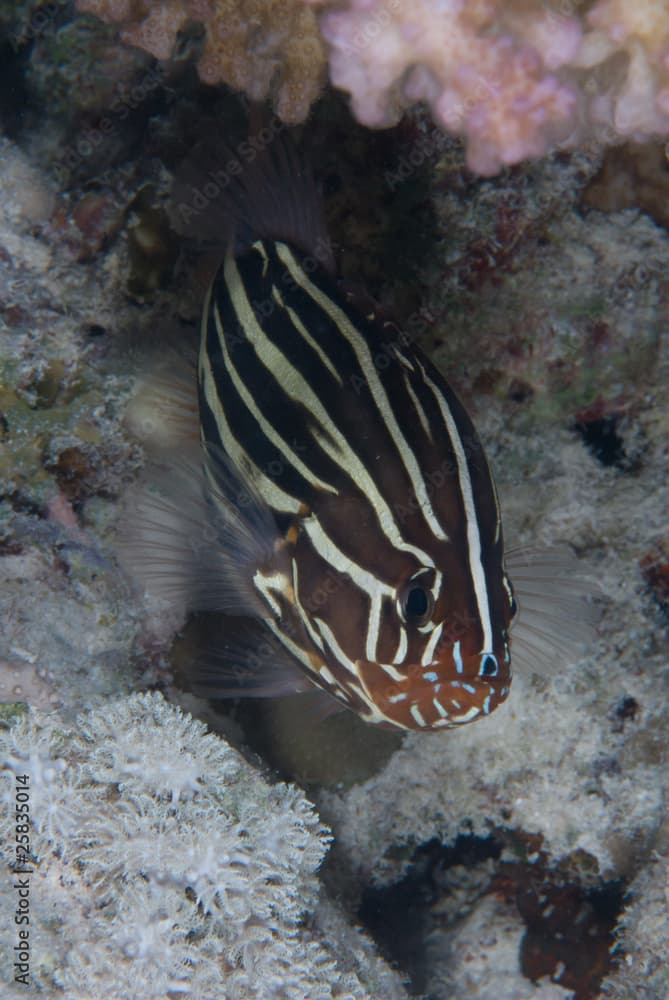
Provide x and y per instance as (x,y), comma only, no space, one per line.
(345,506)
(395,598)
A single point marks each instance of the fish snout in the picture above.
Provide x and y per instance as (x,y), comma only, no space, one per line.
(436,696)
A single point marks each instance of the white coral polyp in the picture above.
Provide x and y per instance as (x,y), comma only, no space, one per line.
(188,875)
(166,760)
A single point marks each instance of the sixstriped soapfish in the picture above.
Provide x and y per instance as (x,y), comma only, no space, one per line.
(341,500)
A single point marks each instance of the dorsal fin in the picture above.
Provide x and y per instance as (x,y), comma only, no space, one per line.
(233,191)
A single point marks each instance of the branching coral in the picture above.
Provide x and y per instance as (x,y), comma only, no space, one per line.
(163,864)
(266,49)
(515,77)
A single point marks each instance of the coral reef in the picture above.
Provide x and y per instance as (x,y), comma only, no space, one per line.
(67,82)
(161,863)
(548,316)
(62,460)
(270,49)
(632,176)
(131,910)
(644,937)
(463,959)
(514,77)
(572,764)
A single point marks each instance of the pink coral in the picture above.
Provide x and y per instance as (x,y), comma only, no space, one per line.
(639,104)
(513,76)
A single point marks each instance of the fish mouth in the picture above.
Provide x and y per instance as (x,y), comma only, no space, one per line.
(421,699)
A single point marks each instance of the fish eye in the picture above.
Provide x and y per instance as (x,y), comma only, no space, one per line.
(416,604)
(488,666)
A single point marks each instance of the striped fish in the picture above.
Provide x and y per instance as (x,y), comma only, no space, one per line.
(345,503)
